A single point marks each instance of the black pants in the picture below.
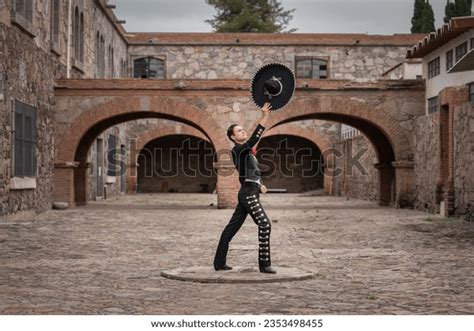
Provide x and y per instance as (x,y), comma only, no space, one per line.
(249,204)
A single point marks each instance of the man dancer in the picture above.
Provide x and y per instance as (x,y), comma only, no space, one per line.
(248,197)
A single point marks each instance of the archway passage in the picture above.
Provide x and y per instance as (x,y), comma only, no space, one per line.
(176,163)
(379,140)
(71,169)
(290,163)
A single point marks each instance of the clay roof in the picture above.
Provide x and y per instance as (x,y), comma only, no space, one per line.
(454,28)
(256,39)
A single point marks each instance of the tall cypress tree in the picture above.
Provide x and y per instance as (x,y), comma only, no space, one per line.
(457,8)
(449,11)
(463,7)
(417,16)
(427,19)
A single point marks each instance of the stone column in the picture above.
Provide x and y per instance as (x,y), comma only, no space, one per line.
(80,183)
(405,179)
(386,174)
(132,178)
(63,182)
(227,185)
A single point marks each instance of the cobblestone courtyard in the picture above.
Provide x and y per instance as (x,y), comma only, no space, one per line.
(106,258)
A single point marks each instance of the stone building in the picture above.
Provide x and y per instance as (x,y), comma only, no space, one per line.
(83,103)
(445,135)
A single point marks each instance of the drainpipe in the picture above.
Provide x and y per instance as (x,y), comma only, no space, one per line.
(68,38)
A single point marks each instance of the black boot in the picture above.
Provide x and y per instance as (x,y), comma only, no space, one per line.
(223,267)
(267,270)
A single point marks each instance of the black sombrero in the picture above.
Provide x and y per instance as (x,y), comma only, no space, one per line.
(274,83)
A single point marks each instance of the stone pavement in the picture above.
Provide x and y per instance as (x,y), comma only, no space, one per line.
(106,258)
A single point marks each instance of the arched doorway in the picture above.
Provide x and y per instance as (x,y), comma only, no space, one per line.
(176,163)
(290,163)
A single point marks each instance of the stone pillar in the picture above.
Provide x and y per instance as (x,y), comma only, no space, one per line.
(132,178)
(386,175)
(63,182)
(405,179)
(449,99)
(328,172)
(227,185)
(80,183)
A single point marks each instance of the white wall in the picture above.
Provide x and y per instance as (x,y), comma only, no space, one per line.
(443,80)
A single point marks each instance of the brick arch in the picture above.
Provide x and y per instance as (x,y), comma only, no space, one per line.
(75,143)
(73,146)
(293,130)
(322,143)
(149,136)
(388,138)
(381,129)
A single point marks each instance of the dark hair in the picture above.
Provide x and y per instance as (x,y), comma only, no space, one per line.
(230,131)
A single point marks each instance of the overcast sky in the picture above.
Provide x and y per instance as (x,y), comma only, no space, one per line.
(311,16)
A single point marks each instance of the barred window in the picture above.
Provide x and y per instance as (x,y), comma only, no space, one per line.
(149,67)
(24,8)
(432,105)
(433,68)
(25,140)
(461,50)
(310,67)
(471,92)
(449,59)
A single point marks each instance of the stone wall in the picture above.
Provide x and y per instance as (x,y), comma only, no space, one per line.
(358,182)
(29,66)
(27,75)
(360,63)
(426,159)
(464,159)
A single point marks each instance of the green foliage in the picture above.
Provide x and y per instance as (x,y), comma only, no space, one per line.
(423,17)
(417,16)
(427,20)
(458,8)
(250,16)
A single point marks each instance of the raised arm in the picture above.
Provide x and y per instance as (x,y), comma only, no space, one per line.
(257,133)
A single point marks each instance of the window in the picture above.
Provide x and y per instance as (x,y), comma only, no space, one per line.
(102,56)
(75,34)
(433,68)
(81,39)
(111,158)
(25,9)
(25,140)
(313,68)
(149,67)
(461,50)
(55,22)
(432,105)
(97,54)
(111,61)
(472,43)
(471,92)
(449,59)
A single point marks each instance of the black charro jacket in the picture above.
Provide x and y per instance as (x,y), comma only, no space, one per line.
(246,163)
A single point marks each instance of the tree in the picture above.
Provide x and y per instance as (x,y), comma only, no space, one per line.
(427,19)
(449,11)
(250,16)
(423,17)
(417,16)
(457,8)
